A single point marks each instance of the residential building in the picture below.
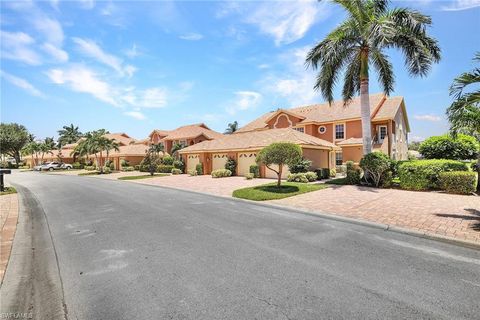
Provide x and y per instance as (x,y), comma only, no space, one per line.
(185,135)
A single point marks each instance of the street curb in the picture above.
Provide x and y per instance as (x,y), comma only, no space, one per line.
(331,216)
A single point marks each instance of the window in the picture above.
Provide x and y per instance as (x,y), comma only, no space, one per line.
(339,158)
(382,133)
(300,130)
(339,131)
(322,129)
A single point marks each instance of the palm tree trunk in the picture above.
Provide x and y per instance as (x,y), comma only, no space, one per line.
(478,172)
(366,121)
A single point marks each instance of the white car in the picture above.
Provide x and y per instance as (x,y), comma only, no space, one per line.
(50,166)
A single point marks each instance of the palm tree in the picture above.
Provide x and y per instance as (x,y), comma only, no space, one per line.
(464,113)
(43,149)
(50,142)
(106,145)
(157,148)
(231,128)
(175,148)
(360,42)
(69,134)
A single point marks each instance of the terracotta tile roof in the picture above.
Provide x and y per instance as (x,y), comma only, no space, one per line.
(257,140)
(121,138)
(380,106)
(70,146)
(192,131)
(131,150)
(163,133)
(350,141)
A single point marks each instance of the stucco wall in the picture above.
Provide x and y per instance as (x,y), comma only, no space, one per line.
(400,144)
(353,153)
(353,129)
(319,158)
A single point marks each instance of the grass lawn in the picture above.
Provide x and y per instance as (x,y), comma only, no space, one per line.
(8,190)
(145,176)
(338,181)
(270,191)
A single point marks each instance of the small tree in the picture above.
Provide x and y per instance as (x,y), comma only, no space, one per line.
(462,147)
(377,167)
(280,153)
(231,165)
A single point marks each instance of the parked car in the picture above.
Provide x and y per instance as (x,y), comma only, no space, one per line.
(50,166)
(38,167)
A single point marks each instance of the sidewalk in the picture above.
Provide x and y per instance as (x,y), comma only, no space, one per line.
(9,217)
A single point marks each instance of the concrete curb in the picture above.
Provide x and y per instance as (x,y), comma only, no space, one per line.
(331,216)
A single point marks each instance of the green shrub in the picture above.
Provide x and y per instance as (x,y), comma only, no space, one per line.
(199,168)
(151,161)
(322,173)
(353,174)
(107,169)
(124,163)
(249,176)
(341,168)
(303,165)
(179,164)
(311,176)
(176,171)
(255,170)
(333,172)
(24,167)
(221,173)
(127,168)
(109,164)
(376,166)
(193,173)
(231,165)
(77,165)
(446,147)
(424,174)
(168,160)
(137,167)
(461,182)
(297,177)
(90,168)
(163,168)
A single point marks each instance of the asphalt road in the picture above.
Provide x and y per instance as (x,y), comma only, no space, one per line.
(88,248)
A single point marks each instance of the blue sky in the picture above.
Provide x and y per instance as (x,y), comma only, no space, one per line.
(136,66)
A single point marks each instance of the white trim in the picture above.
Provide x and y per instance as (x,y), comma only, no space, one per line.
(290,123)
(323,128)
(379,130)
(335,130)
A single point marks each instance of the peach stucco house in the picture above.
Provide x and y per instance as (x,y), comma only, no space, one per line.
(244,146)
(130,149)
(186,135)
(336,129)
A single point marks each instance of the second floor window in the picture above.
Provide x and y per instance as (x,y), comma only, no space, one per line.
(340,131)
(300,130)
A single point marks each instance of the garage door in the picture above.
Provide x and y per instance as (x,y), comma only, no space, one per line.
(272,174)
(192,161)
(245,160)
(219,160)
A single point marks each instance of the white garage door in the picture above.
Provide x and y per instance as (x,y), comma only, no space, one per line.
(272,174)
(219,160)
(192,161)
(245,160)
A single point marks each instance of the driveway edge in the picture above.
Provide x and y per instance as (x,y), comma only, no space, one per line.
(331,216)
(9,228)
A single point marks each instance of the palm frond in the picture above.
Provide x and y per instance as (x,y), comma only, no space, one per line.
(351,85)
(385,70)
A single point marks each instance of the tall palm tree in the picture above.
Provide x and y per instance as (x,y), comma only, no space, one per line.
(157,148)
(68,134)
(175,148)
(106,145)
(232,127)
(50,142)
(360,42)
(464,113)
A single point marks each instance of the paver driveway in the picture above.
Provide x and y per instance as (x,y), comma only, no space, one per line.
(207,184)
(443,214)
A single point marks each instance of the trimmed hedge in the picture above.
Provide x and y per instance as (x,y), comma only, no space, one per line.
(353,174)
(176,171)
(192,173)
(255,170)
(303,177)
(221,173)
(90,168)
(77,165)
(461,182)
(249,176)
(178,164)
(167,160)
(128,168)
(163,168)
(199,168)
(424,174)
(322,173)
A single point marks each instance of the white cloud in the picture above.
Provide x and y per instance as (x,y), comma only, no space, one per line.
(415,138)
(458,5)
(90,48)
(18,46)
(50,28)
(285,21)
(191,36)
(135,114)
(87,4)
(263,66)
(427,117)
(21,83)
(58,54)
(133,52)
(148,98)
(82,79)
(244,100)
